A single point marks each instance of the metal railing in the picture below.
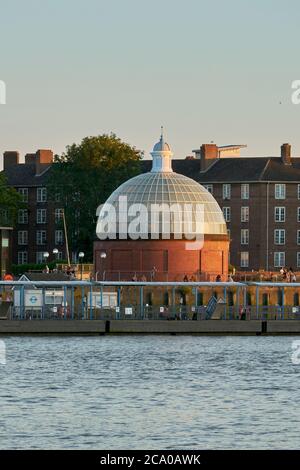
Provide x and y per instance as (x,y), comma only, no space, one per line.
(83,300)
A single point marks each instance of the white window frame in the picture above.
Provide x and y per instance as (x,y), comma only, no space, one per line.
(39,257)
(245,190)
(244,236)
(59,237)
(41,194)
(24,194)
(227,213)
(23,237)
(279,214)
(279,236)
(298,214)
(244,259)
(209,188)
(298,259)
(298,191)
(280,191)
(226,191)
(245,213)
(22,216)
(22,257)
(298,237)
(279,259)
(58,215)
(41,216)
(41,237)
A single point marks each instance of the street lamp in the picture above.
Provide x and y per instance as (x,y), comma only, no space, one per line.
(102,257)
(55,252)
(81,256)
(46,256)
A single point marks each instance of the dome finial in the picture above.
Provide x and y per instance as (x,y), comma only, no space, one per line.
(162,132)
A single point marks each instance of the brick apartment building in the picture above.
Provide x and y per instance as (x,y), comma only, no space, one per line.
(39,226)
(259,196)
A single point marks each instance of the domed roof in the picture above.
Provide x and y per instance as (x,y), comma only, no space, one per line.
(163,186)
(161,146)
(171,188)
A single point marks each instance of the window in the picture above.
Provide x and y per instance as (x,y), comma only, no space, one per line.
(22,237)
(4,216)
(209,188)
(40,257)
(58,215)
(226,191)
(41,216)
(244,191)
(22,257)
(244,236)
(226,213)
(41,195)
(298,237)
(245,214)
(298,214)
(280,191)
(22,216)
(279,259)
(279,214)
(57,197)
(298,259)
(41,237)
(59,237)
(279,237)
(24,194)
(298,191)
(244,259)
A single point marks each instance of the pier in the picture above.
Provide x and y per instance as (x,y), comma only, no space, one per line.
(83,307)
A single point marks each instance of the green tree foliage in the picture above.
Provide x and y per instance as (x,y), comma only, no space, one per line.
(84,177)
(10,202)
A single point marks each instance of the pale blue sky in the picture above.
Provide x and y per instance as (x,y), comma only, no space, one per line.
(206,70)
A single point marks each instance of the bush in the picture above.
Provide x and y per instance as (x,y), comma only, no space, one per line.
(19,269)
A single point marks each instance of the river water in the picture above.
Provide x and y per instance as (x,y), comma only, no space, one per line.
(149,392)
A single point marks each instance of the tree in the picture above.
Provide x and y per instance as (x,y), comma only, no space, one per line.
(10,202)
(84,177)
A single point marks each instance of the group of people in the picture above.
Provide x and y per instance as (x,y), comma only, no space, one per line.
(288,275)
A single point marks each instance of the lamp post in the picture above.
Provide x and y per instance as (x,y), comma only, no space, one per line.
(55,253)
(46,256)
(102,258)
(81,256)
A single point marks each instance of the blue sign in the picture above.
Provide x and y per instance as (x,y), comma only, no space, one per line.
(33,299)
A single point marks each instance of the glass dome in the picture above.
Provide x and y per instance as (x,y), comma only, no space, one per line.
(171,188)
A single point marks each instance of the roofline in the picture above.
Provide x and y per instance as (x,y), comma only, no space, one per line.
(249,181)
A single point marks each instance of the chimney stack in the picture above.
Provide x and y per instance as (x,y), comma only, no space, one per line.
(208,155)
(286,154)
(10,158)
(42,158)
(30,158)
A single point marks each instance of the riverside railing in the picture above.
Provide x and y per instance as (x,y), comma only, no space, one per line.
(85,300)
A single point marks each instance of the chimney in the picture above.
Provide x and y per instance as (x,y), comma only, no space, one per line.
(42,158)
(10,158)
(286,154)
(30,158)
(208,155)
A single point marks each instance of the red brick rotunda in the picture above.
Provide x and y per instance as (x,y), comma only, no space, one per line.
(156,253)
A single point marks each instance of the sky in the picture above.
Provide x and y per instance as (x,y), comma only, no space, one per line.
(206,70)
